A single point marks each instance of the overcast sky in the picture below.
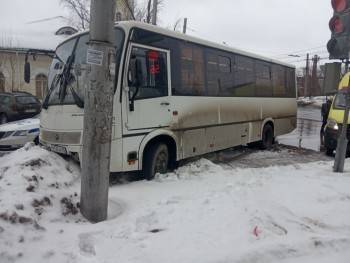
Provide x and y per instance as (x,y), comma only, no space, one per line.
(274,28)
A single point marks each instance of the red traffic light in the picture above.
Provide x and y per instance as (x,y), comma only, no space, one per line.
(339,5)
(336,25)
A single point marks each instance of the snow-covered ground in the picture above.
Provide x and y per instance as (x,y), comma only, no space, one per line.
(203,212)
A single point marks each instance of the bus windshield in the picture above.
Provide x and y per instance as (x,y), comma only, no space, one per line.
(69,64)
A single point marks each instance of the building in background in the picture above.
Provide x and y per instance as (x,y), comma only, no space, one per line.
(125,10)
(44,35)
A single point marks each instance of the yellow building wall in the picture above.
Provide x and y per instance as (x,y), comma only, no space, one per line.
(12,67)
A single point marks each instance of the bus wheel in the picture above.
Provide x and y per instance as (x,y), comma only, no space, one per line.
(329,152)
(156,160)
(267,137)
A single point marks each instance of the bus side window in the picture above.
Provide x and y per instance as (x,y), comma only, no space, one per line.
(263,86)
(154,77)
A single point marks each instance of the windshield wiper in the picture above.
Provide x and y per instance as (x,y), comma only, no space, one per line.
(66,78)
(53,86)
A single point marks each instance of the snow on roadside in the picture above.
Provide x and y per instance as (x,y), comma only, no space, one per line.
(202,212)
(36,187)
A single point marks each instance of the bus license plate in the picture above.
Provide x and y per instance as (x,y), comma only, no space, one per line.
(58,149)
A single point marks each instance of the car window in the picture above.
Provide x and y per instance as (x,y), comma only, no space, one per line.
(26,100)
(5,100)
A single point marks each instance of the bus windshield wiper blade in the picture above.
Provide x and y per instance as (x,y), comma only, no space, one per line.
(67,78)
(78,101)
(54,83)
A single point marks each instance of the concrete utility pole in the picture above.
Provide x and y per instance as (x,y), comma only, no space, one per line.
(148,18)
(98,107)
(314,78)
(155,10)
(306,75)
(185,26)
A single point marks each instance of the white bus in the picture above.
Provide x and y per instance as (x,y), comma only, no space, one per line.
(192,97)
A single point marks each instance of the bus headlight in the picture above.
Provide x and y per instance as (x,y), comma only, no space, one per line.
(332,124)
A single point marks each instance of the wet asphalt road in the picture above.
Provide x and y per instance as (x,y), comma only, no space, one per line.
(307,134)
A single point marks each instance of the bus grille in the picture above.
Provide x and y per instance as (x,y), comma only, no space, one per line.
(60,137)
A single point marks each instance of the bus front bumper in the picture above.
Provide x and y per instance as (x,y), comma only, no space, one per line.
(67,150)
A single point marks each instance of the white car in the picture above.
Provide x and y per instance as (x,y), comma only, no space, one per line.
(14,135)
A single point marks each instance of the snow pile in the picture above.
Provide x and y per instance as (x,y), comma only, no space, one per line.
(202,212)
(36,187)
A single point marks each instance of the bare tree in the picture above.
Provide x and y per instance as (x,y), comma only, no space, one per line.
(80,11)
(177,24)
(8,61)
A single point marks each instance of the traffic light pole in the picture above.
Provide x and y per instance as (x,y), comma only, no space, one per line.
(306,76)
(98,109)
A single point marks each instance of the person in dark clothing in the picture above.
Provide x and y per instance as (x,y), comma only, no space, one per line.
(326,107)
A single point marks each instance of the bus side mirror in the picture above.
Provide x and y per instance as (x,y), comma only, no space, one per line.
(27,72)
(134,80)
(134,76)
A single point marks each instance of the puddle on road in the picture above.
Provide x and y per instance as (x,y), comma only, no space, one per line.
(306,135)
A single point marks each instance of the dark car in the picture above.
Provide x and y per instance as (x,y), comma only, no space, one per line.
(17,106)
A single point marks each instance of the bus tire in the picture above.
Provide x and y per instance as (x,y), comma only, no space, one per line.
(267,137)
(329,152)
(156,160)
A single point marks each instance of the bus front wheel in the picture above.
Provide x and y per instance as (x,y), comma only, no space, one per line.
(267,137)
(156,160)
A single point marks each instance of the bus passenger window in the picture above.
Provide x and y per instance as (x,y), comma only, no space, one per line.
(192,71)
(154,78)
(279,81)
(263,86)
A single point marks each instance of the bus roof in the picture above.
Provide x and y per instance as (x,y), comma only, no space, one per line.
(131,24)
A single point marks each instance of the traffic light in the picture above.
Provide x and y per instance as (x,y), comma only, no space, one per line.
(339,45)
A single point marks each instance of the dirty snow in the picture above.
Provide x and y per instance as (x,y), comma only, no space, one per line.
(203,212)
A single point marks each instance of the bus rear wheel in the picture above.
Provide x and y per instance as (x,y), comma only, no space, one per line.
(267,137)
(156,160)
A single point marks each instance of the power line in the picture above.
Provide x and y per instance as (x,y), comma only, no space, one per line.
(46,19)
(320,52)
(301,60)
(299,51)
(291,55)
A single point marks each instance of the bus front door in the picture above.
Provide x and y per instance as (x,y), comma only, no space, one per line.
(147,103)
